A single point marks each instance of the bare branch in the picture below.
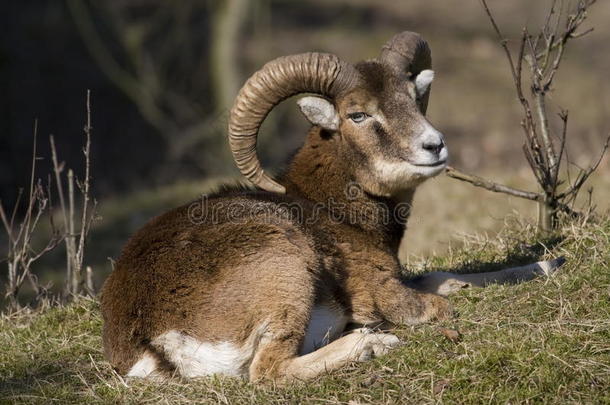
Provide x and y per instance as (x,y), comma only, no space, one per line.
(582,34)
(85,193)
(14,213)
(502,39)
(532,161)
(68,236)
(562,139)
(584,174)
(518,84)
(73,282)
(543,121)
(491,186)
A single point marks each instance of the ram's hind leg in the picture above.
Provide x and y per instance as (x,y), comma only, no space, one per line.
(445,283)
(276,363)
(277,355)
(286,291)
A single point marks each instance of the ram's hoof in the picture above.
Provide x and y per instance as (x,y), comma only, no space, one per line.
(550,266)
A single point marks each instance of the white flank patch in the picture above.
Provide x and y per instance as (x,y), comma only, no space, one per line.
(193,358)
(143,367)
(324,326)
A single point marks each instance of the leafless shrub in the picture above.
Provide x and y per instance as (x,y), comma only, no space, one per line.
(78,278)
(21,255)
(544,150)
(23,229)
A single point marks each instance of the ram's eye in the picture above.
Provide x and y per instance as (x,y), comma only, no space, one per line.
(357,117)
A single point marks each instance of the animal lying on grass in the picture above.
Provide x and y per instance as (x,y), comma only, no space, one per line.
(264,284)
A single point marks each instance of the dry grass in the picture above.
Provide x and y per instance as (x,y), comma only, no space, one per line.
(545,341)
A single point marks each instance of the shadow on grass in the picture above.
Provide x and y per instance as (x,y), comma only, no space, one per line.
(41,382)
(518,254)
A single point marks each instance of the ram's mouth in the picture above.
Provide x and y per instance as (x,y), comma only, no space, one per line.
(438,163)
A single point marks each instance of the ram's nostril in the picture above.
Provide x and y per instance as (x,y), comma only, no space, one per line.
(434,147)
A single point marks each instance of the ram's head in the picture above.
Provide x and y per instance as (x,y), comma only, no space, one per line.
(374,109)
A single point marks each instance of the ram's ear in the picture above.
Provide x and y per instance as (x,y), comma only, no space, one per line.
(423,81)
(320,112)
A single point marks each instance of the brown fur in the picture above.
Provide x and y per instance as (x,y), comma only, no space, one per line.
(218,279)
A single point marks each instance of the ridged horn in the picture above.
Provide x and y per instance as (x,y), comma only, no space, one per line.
(408,54)
(313,72)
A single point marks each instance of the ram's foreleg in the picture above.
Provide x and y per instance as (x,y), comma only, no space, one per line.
(445,283)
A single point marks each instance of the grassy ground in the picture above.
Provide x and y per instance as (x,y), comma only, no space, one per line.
(546,341)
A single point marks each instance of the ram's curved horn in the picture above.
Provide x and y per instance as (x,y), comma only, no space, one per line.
(408,54)
(320,73)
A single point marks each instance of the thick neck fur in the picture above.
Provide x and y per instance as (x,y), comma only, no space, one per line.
(319,172)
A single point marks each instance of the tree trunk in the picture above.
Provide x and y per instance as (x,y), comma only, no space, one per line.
(228,20)
(547,216)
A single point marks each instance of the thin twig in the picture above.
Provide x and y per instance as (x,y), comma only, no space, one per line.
(543,121)
(71,235)
(564,133)
(85,193)
(490,185)
(69,239)
(584,174)
(502,39)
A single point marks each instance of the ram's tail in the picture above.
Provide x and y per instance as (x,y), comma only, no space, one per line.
(445,283)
